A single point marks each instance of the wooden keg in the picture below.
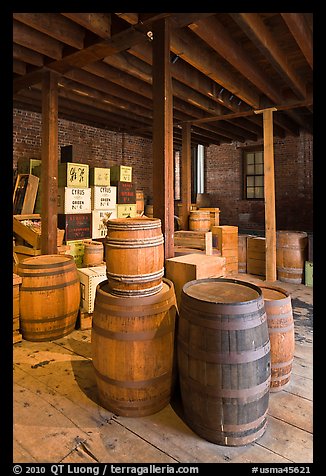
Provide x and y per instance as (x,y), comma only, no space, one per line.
(93,253)
(134,256)
(149,211)
(140,201)
(49,296)
(224,360)
(199,220)
(278,308)
(291,254)
(132,350)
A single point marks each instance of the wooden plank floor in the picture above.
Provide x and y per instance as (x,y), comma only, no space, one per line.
(57,418)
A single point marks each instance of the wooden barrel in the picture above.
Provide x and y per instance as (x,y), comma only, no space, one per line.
(149,211)
(291,251)
(49,297)
(140,201)
(242,253)
(199,220)
(132,350)
(281,333)
(93,253)
(134,256)
(224,360)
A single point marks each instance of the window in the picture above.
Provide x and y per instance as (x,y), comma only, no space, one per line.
(254,174)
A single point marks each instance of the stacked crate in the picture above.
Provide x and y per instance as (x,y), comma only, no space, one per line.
(256,255)
(121,177)
(226,241)
(104,198)
(74,202)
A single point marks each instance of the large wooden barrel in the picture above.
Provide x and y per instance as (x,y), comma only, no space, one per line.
(93,253)
(132,350)
(291,253)
(49,297)
(199,220)
(134,256)
(224,360)
(281,333)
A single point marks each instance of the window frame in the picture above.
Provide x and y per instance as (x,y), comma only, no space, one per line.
(245,152)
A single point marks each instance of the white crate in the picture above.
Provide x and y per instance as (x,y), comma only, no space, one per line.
(99,230)
(103,198)
(74,200)
(89,279)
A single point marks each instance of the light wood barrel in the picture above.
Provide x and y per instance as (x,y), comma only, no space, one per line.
(134,256)
(199,220)
(291,253)
(281,333)
(132,350)
(224,360)
(49,297)
(93,253)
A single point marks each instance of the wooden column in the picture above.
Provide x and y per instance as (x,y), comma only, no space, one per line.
(49,174)
(269,191)
(163,197)
(185,175)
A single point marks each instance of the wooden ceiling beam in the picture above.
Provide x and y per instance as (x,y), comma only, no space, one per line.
(184,45)
(29,38)
(54,25)
(302,33)
(98,23)
(19,67)
(28,56)
(266,42)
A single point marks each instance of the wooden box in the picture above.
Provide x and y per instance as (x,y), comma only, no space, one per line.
(126,211)
(120,173)
(99,176)
(99,229)
(23,227)
(126,192)
(73,175)
(185,268)
(214,214)
(89,279)
(201,240)
(103,198)
(76,249)
(226,239)
(256,255)
(25,192)
(29,166)
(74,200)
(77,226)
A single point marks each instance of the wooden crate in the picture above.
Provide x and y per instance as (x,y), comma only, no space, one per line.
(99,229)
(225,238)
(25,192)
(103,198)
(99,176)
(126,211)
(29,166)
(126,192)
(256,255)
(121,173)
(201,240)
(214,215)
(73,175)
(90,277)
(186,268)
(77,226)
(28,229)
(74,200)
(76,249)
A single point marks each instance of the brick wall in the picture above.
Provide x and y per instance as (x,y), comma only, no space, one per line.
(98,147)
(293,184)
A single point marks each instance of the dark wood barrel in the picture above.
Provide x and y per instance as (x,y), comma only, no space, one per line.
(199,220)
(49,297)
(134,256)
(291,254)
(224,360)
(132,350)
(281,333)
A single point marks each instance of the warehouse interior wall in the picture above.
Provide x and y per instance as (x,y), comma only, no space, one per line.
(223,168)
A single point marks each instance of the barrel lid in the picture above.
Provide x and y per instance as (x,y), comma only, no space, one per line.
(133,223)
(226,291)
(45,260)
(273,294)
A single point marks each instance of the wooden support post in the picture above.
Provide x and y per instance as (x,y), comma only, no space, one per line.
(185,175)
(163,197)
(49,174)
(269,191)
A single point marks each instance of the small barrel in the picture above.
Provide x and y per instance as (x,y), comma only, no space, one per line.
(93,253)
(291,253)
(149,211)
(199,220)
(140,201)
(49,296)
(224,360)
(134,256)
(132,350)
(281,333)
